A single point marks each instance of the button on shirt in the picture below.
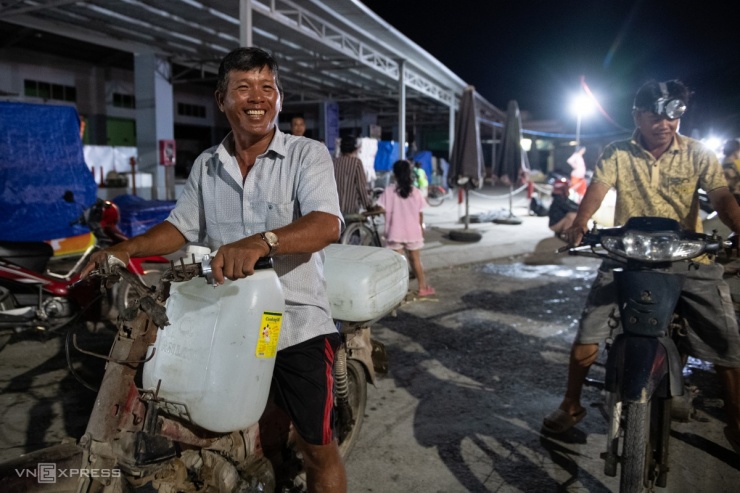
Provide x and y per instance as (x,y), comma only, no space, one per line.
(293,177)
(663,187)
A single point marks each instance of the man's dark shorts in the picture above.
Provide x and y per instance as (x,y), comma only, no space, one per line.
(303,382)
(705,302)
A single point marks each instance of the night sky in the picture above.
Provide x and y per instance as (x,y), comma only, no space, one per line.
(537,52)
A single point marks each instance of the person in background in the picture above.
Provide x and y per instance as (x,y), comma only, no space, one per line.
(578,181)
(421,181)
(731,166)
(298,126)
(262,193)
(562,210)
(657,173)
(350,177)
(402,203)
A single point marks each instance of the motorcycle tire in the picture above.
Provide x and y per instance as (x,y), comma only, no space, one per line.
(436,195)
(635,450)
(357,400)
(358,234)
(126,294)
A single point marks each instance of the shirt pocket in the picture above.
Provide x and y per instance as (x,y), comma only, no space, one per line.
(278,215)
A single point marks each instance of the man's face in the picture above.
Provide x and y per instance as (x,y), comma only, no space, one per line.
(656,130)
(252,101)
(298,126)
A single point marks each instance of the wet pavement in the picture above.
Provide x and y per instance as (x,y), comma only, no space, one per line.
(473,370)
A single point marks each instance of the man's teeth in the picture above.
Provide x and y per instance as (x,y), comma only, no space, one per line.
(256,112)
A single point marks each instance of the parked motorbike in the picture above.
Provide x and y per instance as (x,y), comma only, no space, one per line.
(41,293)
(183,405)
(644,367)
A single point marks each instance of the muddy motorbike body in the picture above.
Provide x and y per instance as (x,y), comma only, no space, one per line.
(644,367)
(134,439)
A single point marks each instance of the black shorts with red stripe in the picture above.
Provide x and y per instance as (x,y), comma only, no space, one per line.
(303,386)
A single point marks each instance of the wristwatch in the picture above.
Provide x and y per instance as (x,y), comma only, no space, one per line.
(272,241)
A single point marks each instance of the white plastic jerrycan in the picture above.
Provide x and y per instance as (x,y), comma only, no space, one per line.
(215,359)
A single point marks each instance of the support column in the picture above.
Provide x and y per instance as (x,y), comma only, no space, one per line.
(245,23)
(401,109)
(154,120)
(451,129)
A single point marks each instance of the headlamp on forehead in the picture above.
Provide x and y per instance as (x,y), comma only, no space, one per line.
(671,108)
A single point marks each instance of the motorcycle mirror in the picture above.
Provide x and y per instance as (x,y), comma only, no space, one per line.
(69,196)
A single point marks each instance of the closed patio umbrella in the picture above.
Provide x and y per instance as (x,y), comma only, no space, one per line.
(512,159)
(466,160)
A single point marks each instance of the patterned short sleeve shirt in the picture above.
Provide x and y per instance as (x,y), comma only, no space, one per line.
(293,177)
(663,187)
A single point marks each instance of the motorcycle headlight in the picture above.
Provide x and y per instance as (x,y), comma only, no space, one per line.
(652,247)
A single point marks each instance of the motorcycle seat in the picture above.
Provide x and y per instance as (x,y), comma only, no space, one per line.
(32,255)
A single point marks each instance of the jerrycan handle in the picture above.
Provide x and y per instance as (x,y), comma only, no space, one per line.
(207,272)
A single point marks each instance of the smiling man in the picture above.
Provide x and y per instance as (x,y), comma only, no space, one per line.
(657,173)
(263,193)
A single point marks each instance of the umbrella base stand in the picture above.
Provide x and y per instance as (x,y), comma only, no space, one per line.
(465,235)
(511,218)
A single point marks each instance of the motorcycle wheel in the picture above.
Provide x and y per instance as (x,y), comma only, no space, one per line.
(127,295)
(635,450)
(357,401)
(436,195)
(358,234)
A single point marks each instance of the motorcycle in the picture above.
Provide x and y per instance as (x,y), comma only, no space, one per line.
(41,293)
(644,378)
(164,421)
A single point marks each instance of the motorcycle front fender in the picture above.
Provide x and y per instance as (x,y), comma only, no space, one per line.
(53,469)
(637,366)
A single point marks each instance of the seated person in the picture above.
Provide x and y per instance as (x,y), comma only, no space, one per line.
(562,209)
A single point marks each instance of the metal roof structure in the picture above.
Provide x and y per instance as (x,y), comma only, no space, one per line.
(328,49)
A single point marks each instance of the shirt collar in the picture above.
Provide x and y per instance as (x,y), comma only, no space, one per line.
(277,145)
(677,145)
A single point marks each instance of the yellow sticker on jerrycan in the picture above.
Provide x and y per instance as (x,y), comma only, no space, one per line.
(269,333)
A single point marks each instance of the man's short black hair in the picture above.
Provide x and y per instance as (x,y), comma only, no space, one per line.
(348,144)
(246,59)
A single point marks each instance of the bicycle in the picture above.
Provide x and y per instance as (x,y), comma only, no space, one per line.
(436,194)
(362,229)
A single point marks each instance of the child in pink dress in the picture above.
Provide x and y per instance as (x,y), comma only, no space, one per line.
(402,203)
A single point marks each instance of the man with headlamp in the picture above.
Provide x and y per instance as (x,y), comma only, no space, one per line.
(657,172)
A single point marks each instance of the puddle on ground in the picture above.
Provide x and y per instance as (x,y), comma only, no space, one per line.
(524,271)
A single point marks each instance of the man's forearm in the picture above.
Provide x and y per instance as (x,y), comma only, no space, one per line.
(162,239)
(308,234)
(590,204)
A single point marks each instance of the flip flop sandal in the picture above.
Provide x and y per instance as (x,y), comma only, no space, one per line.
(559,421)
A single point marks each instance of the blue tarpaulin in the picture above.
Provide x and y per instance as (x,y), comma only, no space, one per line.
(138,215)
(40,159)
(387,155)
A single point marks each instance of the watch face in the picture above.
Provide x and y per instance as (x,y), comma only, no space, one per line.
(271,237)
